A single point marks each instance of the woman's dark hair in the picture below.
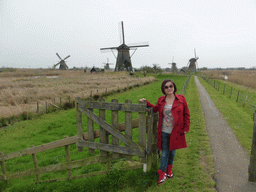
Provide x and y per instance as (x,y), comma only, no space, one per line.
(166,81)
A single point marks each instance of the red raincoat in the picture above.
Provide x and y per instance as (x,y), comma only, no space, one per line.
(181,117)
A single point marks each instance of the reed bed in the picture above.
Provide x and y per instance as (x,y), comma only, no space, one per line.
(241,77)
(21,90)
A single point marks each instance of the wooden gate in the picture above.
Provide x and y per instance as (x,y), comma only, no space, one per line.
(145,148)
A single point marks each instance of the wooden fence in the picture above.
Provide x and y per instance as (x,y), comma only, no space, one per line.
(252,166)
(145,148)
(147,132)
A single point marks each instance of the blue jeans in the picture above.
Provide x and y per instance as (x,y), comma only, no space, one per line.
(167,156)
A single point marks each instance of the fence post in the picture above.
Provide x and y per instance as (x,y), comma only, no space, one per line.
(142,133)
(128,127)
(60,103)
(103,133)
(149,143)
(79,124)
(237,96)
(224,89)
(68,158)
(245,100)
(37,107)
(3,166)
(90,127)
(114,114)
(35,164)
(252,166)
(154,141)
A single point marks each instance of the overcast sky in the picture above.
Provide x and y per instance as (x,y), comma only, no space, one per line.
(223,32)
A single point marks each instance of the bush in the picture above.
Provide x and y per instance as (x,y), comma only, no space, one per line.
(67,105)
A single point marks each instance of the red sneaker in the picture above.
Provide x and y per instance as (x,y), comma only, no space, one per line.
(162,177)
(169,171)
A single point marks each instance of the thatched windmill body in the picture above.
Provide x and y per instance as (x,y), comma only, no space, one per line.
(174,67)
(123,59)
(62,63)
(193,63)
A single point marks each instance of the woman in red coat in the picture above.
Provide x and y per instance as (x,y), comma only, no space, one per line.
(173,124)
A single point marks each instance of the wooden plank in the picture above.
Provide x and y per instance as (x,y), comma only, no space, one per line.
(128,126)
(114,117)
(62,166)
(112,148)
(68,159)
(109,128)
(150,139)
(59,143)
(154,140)
(3,168)
(36,165)
(90,127)
(79,123)
(111,106)
(142,129)
(102,132)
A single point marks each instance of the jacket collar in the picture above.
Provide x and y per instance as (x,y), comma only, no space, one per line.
(176,98)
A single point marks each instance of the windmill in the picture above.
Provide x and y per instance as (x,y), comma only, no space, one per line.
(174,68)
(193,63)
(62,63)
(123,59)
(107,65)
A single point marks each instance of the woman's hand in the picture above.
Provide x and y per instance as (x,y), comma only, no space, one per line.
(185,132)
(142,100)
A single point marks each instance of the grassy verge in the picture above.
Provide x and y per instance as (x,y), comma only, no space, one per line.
(240,119)
(192,168)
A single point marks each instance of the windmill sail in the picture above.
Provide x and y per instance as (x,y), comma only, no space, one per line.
(123,59)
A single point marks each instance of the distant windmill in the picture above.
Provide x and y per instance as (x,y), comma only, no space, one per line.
(62,63)
(174,68)
(193,63)
(123,59)
(107,65)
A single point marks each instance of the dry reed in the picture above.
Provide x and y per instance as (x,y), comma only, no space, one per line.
(241,77)
(21,90)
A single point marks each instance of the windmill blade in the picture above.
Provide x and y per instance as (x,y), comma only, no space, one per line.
(172,59)
(66,57)
(195,52)
(139,46)
(58,56)
(57,64)
(121,32)
(133,53)
(197,68)
(108,48)
(188,63)
(54,66)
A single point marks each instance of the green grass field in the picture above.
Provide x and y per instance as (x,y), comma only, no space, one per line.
(193,166)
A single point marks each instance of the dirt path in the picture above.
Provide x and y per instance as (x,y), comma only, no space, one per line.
(230,159)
